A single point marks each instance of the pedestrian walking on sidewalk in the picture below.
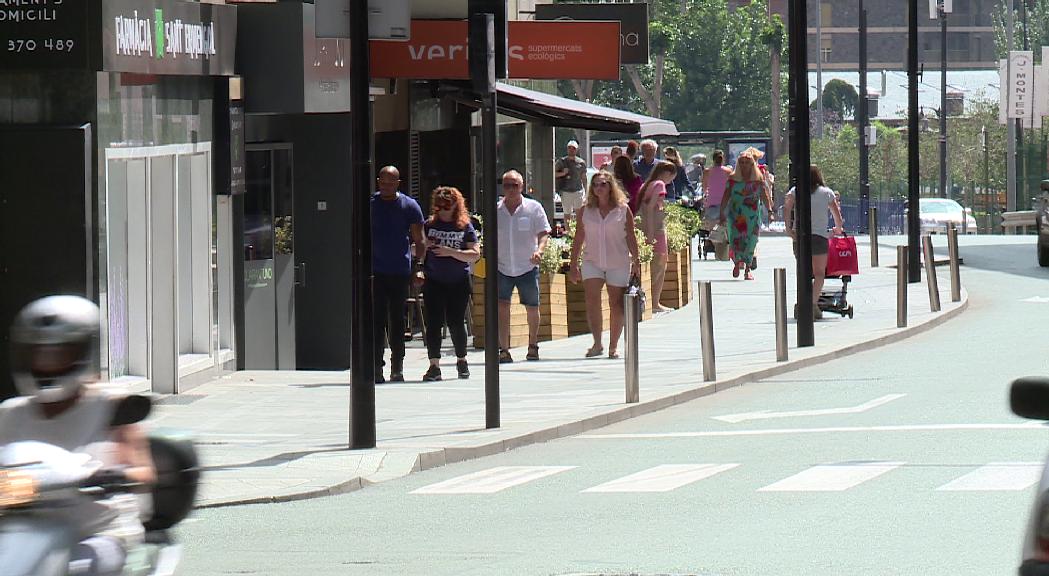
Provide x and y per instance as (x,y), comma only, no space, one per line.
(523,233)
(740,208)
(614,153)
(451,247)
(649,158)
(605,236)
(632,148)
(652,210)
(680,185)
(570,171)
(714,180)
(628,179)
(823,203)
(397,222)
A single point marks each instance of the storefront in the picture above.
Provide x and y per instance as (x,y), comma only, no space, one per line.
(114,150)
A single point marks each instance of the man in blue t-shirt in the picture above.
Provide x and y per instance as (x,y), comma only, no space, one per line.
(397,221)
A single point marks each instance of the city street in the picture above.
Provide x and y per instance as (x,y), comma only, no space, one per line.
(901,460)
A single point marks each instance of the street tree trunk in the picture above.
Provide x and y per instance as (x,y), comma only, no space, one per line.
(653,98)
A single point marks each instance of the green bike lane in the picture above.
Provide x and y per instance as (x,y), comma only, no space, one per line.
(868,464)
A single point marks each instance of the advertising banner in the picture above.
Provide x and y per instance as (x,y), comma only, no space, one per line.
(439,50)
(633,38)
(168,37)
(1020,96)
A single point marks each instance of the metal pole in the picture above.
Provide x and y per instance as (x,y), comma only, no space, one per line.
(930,275)
(631,313)
(943,101)
(864,122)
(902,253)
(706,332)
(800,162)
(1011,124)
(989,206)
(780,281)
(873,227)
(913,177)
(362,335)
(956,274)
(483,50)
(819,70)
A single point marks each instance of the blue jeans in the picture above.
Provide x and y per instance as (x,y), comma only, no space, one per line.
(527,285)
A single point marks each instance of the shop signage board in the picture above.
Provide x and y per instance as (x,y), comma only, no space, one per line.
(237,175)
(633,38)
(168,37)
(1023,88)
(438,50)
(44,35)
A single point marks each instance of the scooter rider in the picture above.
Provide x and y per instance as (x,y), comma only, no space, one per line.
(54,341)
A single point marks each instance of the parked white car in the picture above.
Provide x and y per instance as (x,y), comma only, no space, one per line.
(936,213)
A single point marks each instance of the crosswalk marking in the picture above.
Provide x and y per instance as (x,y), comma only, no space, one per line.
(832,477)
(662,478)
(491,480)
(997,476)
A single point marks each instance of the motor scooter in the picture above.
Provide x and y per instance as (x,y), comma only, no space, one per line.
(39,480)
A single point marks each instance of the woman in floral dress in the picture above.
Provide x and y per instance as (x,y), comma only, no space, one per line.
(740,207)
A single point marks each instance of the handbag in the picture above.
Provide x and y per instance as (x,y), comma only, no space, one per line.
(841,256)
(480,269)
(634,287)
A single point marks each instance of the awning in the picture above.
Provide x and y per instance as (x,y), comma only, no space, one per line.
(565,112)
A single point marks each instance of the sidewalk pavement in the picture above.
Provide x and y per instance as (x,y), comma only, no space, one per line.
(279,436)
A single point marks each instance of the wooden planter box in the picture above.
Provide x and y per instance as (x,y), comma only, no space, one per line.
(677,286)
(553,319)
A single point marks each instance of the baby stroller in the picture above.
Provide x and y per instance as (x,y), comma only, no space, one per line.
(834,301)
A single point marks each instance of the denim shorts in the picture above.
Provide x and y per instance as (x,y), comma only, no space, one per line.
(527,285)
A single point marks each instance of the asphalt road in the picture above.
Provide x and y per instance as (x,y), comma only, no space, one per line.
(903,460)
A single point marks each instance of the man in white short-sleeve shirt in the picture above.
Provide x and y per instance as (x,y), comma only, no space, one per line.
(523,232)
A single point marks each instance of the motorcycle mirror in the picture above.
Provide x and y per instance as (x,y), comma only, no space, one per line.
(1029,398)
(132,409)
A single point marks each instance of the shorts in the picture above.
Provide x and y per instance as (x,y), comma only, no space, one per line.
(618,277)
(819,245)
(570,202)
(527,285)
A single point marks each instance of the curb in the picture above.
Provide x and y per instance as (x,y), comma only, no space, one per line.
(440,457)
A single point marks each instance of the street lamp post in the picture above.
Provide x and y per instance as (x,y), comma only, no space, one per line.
(942,7)
(987,176)
(914,272)
(799,165)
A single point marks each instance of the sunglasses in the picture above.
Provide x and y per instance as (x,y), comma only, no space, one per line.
(602,183)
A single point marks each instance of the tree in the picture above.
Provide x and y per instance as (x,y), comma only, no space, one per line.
(710,67)
(841,97)
(1037,26)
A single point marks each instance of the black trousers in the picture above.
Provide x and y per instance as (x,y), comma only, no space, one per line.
(390,293)
(446,304)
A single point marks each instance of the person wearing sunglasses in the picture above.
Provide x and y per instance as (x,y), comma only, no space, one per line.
(451,248)
(523,232)
(605,235)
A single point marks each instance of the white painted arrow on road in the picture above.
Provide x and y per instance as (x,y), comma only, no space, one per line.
(766,414)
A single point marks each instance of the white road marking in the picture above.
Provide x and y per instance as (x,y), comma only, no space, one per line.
(832,477)
(1036,300)
(662,478)
(492,480)
(997,476)
(782,431)
(766,414)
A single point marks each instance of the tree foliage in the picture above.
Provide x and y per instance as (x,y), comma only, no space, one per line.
(1037,26)
(709,67)
(841,97)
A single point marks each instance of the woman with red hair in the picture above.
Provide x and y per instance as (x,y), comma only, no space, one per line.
(451,247)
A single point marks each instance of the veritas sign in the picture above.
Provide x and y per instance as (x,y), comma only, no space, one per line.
(439,50)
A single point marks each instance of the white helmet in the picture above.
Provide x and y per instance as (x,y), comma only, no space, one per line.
(54,341)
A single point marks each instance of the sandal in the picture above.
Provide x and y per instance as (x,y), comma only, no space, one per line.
(613,355)
(748,276)
(533,353)
(595,351)
(735,271)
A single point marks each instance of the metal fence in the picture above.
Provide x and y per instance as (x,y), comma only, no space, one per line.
(891,215)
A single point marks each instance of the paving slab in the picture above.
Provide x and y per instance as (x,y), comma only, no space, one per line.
(278,436)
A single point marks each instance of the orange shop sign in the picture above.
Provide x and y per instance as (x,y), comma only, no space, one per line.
(439,50)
